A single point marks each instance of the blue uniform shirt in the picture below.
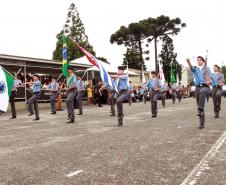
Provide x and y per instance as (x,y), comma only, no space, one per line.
(37,86)
(142,91)
(200,75)
(71,81)
(217,79)
(122,83)
(152,84)
(53,86)
(80,85)
(164,87)
(15,84)
(130,87)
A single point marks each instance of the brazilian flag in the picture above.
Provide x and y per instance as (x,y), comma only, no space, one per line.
(65,63)
(173,79)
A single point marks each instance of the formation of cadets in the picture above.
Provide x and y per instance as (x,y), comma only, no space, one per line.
(205,82)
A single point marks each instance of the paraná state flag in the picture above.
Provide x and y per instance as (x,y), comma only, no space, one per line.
(6,84)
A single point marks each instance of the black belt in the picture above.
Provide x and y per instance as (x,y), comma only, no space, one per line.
(36,92)
(202,85)
(123,90)
(217,86)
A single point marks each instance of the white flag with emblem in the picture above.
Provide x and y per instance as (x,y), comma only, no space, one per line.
(6,84)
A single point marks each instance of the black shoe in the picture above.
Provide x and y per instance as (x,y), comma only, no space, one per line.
(112,115)
(36,119)
(30,114)
(119,125)
(100,105)
(201,127)
(79,114)
(13,117)
(154,115)
(217,115)
(71,121)
(53,112)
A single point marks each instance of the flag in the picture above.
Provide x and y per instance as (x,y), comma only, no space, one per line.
(161,73)
(173,79)
(103,73)
(89,56)
(6,84)
(65,60)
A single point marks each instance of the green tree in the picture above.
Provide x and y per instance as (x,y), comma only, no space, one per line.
(132,58)
(103,60)
(75,31)
(168,56)
(161,26)
(223,70)
(132,36)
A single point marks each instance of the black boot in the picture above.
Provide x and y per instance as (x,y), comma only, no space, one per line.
(154,115)
(120,120)
(202,120)
(216,115)
(71,121)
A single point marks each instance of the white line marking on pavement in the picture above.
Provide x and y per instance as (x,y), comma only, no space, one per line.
(203,164)
(74,173)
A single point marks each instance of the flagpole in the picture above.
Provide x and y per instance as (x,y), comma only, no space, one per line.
(18,71)
(59,76)
(84,73)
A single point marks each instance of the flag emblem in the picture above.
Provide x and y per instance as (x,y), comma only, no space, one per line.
(2,87)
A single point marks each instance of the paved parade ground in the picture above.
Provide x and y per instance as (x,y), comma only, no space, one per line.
(169,149)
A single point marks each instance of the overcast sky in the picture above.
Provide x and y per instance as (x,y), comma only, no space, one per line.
(29,27)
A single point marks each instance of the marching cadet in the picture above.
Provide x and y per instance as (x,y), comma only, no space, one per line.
(80,89)
(16,84)
(130,91)
(178,92)
(154,86)
(123,92)
(112,98)
(53,87)
(71,92)
(145,96)
(59,99)
(98,90)
(202,82)
(217,81)
(36,89)
(164,90)
(174,94)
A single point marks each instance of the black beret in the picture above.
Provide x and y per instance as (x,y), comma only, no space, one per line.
(70,68)
(121,67)
(217,66)
(36,75)
(154,72)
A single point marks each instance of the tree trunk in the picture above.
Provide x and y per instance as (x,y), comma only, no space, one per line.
(156,56)
(141,58)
